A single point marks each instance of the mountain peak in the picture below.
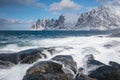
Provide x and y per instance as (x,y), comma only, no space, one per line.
(101,18)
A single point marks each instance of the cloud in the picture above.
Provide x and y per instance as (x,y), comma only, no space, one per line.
(101,0)
(116,2)
(110,2)
(15,24)
(64,5)
(21,2)
(14,21)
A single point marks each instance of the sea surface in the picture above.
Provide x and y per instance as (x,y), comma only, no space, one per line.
(10,40)
(82,43)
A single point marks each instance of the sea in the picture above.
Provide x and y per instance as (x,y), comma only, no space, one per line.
(104,47)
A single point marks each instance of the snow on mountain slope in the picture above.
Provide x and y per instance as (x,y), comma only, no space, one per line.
(102,18)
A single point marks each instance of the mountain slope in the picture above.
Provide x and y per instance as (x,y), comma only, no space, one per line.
(101,18)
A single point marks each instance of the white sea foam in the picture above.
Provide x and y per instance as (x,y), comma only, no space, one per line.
(14,48)
(15,73)
(80,46)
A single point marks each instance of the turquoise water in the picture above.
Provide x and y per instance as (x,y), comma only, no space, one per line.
(15,39)
(22,38)
(47,34)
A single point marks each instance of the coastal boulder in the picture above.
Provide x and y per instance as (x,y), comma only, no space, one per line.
(91,64)
(27,56)
(9,57)
(115,65)
(30,56)
(47,70)
(83,77)
(67,61)
(107,72)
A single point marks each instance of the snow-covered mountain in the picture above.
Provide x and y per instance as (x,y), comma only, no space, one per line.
(102,18)
(63,22)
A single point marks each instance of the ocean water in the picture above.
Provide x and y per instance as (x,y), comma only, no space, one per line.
(18,40)
(82,43)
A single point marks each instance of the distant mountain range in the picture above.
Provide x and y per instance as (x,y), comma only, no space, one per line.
(101,18)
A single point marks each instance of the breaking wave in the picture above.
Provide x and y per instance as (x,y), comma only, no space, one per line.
(104,49)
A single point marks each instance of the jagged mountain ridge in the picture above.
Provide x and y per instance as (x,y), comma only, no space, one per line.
(101,18)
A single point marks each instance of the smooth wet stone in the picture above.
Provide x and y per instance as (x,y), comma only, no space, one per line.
(10,57)
(67,61)
(30,56)
(107,72)
(115,65)
(83,77)
(47,70)
(91,64)
(27,56)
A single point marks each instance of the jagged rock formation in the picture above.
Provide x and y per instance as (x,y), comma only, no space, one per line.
(102,18)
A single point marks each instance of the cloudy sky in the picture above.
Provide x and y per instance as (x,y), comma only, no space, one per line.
(20,14)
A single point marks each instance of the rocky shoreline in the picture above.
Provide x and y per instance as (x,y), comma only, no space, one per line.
(59,67)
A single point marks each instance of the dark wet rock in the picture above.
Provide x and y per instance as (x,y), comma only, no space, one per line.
(108,45)
(90,61)
(27,56)
(33,77)
(107,72)
(58,76)
(67,61)
(115,65)
(6,65)
(47,70)
(91,64)
(31,55)
(83,77)
(80,71)
(10,57)
(89,57)
(52,50)
(45,67)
